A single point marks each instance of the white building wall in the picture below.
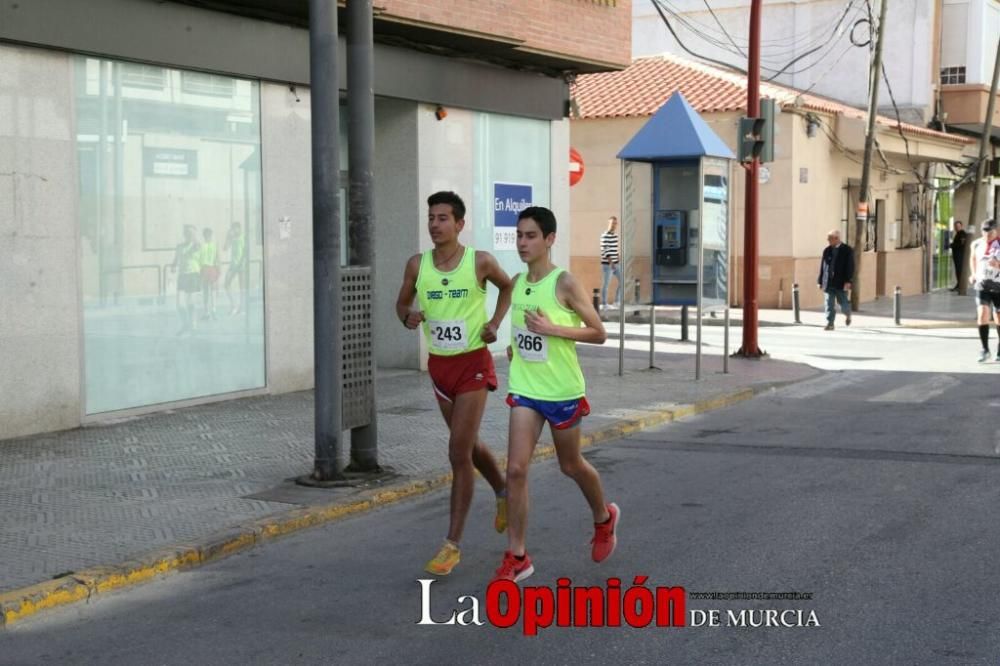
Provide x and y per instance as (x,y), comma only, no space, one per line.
(789,29)
(969,33)
(559,204)
(40,333)
(955,44)
(989,32)
(287,199)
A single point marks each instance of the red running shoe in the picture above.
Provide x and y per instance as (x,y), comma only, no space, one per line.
(605,537)
(514,569)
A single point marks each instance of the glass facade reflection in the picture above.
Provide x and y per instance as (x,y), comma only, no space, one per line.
(171,234)
(512,157)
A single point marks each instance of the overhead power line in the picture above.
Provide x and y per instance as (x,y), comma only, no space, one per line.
(708,34)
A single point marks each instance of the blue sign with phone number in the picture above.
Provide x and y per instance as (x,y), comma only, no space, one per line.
(508,200)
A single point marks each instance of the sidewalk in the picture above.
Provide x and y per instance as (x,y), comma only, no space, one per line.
(124,492)
(939,309)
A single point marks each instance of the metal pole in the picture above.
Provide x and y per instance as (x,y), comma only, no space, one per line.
(725,343)
(701,257)
(750,347)
(897,305)
(684,324)
(621,280)
(119,147)
(984,144)
(361,144)
(866,165)
(795,303)
(326,236)
(103,200)
(637,296)
(652,334)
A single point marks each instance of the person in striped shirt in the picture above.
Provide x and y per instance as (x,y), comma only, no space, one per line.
(609,259)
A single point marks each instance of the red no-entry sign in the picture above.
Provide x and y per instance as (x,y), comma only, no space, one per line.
(575,167)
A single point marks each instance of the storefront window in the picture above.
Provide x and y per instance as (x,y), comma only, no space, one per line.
(512,171)
(171,237)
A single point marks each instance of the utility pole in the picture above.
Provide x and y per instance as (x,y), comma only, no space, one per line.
(750,349)
(984,145)
(864,210)
(328,345)
(361,195)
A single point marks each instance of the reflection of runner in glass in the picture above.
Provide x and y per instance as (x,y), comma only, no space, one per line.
(187,265)
(236,245)
(984,274)
(450,285)
(546,384)
(209,261)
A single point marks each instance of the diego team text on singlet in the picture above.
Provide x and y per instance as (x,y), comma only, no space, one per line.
(543,367)
(454,305)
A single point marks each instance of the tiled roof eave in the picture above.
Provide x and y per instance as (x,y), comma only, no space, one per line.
(641,88)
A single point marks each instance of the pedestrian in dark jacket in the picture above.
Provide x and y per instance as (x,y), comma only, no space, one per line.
(836,270)
(959,239)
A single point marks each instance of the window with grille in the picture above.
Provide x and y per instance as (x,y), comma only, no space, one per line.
(952,75)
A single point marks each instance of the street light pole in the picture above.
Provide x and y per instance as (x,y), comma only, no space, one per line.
(864,210)
(984,144)
(750,348)
(325,107)
(361,212)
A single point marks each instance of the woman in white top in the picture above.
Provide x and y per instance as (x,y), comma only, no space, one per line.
(984,275)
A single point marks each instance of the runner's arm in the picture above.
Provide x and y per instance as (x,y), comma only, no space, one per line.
(488,266)
(571,293)
(407,291)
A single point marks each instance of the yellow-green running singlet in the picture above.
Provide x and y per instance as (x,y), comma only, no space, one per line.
(209,255)
(454,305)
(543,367)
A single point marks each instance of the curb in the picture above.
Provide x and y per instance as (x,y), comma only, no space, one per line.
(19,604)
(941,324)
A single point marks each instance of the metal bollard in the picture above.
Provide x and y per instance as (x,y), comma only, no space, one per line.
(795,302)
(635,312)
(684,323)
(597,300)
(652,335)
(897,305)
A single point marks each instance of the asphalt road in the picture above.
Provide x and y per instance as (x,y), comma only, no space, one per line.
(873,492)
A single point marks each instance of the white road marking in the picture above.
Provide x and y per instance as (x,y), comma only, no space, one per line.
(920,391)
(821,385)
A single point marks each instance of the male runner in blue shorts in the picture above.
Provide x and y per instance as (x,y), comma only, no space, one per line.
(551,313)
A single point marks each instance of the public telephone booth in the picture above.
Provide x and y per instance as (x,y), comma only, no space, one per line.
(688,224)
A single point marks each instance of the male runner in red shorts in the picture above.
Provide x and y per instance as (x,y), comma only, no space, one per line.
(449,283)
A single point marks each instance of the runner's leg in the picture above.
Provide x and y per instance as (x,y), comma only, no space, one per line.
(463,418)
(575,466)
(482,458)
(525,427)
